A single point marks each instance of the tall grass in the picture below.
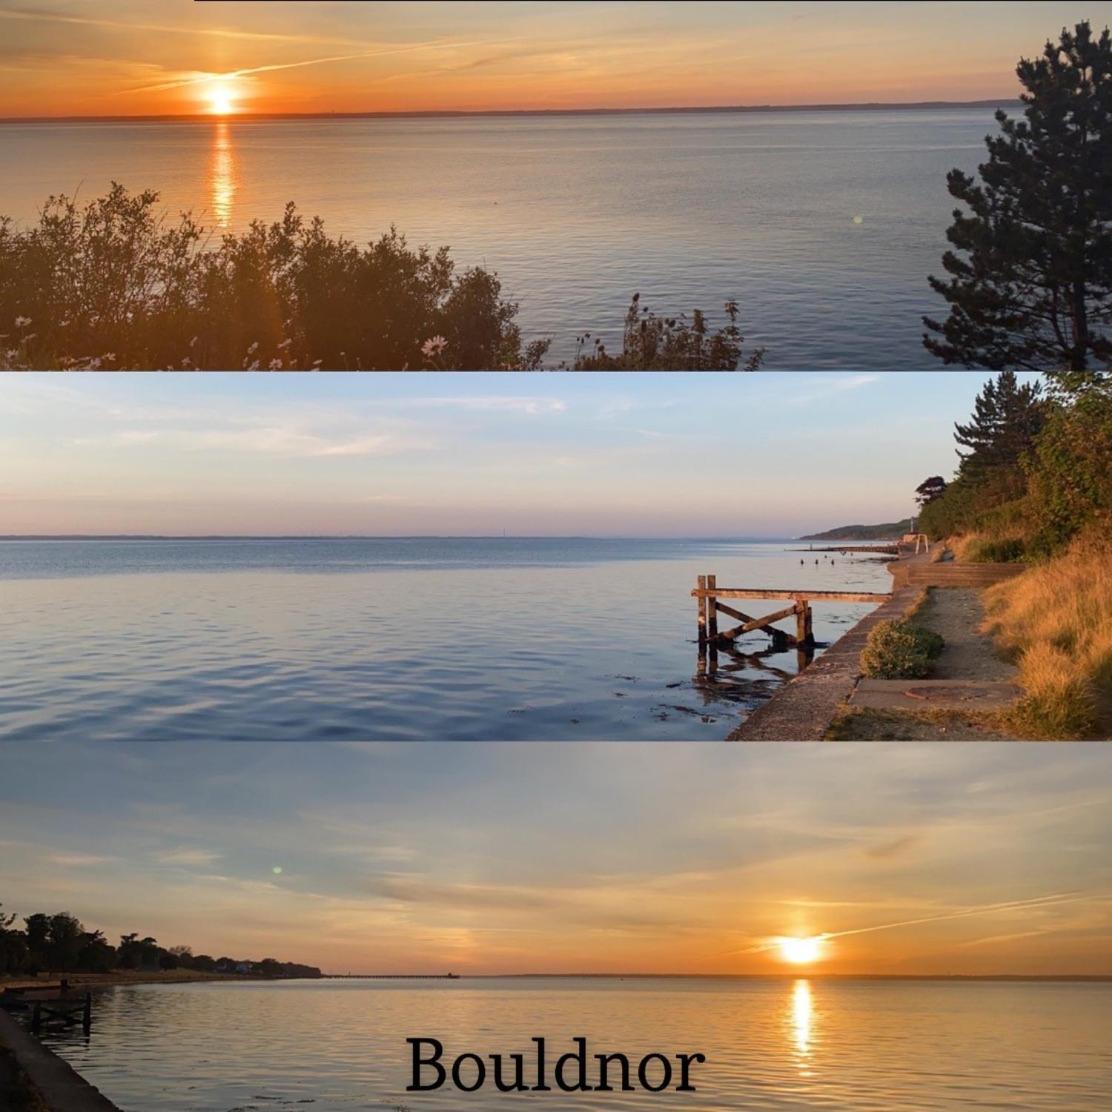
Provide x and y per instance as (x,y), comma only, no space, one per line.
(1055,620)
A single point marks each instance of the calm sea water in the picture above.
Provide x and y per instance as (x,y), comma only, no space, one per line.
(823,225)
(771,1045)
(434,639)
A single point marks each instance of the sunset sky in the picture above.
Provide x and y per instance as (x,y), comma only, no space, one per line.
(133,57)
(473,454)
(967,858)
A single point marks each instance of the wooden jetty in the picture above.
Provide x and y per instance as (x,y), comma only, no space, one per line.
(708,600)
(51,1006)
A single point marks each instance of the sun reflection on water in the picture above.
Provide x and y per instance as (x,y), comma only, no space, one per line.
(222,175)
(801,1019)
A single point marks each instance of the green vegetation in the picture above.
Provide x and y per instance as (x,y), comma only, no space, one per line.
(652,343)
(114,285)
(890,530)
(897,650)
(1037,487)
(1030,275)
(59,943)
(1038,472)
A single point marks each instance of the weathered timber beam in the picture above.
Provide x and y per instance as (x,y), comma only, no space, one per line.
(764,623)
(798,596)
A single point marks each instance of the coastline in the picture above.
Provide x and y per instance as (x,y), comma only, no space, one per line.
(806,706)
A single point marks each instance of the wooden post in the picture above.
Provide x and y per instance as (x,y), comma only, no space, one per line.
(800,623)
(701,603)
(712,609)
(808,633)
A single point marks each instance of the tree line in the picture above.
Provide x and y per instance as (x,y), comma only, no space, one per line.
(1034,466)
(60,943)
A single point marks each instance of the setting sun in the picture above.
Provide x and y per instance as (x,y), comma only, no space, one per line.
(800,951)
(220,99)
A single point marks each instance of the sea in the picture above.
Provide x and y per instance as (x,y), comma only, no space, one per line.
(771,1044)
(418,638)
(823,225)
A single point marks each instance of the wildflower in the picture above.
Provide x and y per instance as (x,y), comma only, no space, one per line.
(317,363)
(22,322)
(193,342)
(253,348)
(284,344)
(254,366)
(432,348)
(274,365)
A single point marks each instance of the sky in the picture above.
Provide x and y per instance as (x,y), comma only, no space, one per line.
(773,454)
(908,859)
(134,57)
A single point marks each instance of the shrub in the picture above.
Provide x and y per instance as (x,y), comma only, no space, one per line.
(994,550)
(652,343)
(114,285)
(896,650)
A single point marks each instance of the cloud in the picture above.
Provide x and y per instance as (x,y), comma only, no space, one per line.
(77,860)
(189,858)
(492,403)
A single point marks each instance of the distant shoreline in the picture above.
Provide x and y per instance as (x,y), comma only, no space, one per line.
(807,975)
(445,113)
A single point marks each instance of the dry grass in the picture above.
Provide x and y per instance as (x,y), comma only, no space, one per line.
(1055,621)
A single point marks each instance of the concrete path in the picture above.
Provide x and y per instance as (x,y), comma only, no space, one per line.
(969,675)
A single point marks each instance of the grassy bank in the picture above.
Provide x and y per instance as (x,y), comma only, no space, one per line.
(1055,622)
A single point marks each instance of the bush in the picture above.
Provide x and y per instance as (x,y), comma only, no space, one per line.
(652,343)
(899,650)
(989,550)
(114,285)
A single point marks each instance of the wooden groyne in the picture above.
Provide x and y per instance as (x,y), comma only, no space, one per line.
(708,602)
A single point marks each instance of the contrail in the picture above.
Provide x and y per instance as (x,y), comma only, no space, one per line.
(984,909)
(201,78)
(210,32)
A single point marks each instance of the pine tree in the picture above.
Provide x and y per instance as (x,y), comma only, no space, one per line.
(929,490)
(1030,281)
(1006,419)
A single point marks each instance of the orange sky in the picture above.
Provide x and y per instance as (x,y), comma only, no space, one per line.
(81,57)
(921,859)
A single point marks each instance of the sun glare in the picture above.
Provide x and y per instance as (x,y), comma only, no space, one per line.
(220,99)
(800,951)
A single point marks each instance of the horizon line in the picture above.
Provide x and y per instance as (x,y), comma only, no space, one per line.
(451,113)
(381,537)
(785,975)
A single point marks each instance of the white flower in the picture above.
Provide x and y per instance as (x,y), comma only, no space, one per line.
(22,322)
(275,365)
(284,344)
(253,348)
(432,348)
